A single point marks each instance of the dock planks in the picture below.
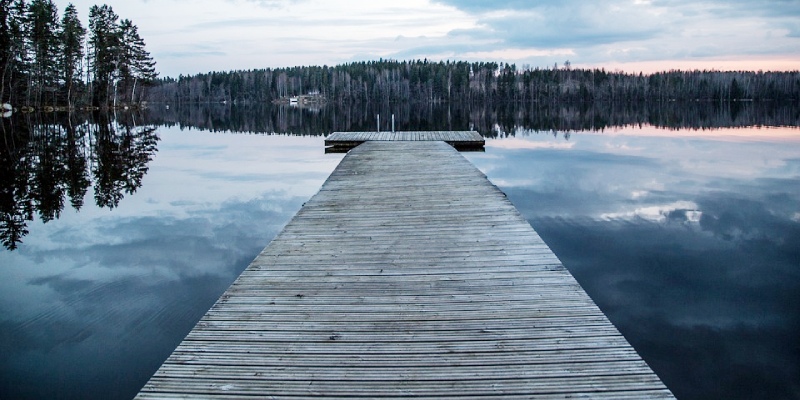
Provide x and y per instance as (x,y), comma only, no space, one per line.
(461,140)
(408,275)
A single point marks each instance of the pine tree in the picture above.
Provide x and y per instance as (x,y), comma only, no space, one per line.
(144,70)
(138,64)
(72,37)
(6,50)
(104,54)
(43,35)
(17,63)
(42,56)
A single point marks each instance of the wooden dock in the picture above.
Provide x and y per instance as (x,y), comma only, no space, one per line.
(408,275)
(461,140)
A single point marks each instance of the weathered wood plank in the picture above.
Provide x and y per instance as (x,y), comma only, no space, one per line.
(407,275)
(407,387)
(618,395)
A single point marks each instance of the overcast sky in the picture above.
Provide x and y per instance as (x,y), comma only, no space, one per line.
(188,37)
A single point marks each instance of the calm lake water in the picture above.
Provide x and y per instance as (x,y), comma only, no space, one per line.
(688,239)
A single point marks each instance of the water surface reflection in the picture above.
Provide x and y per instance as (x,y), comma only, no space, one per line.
(688,239)
(92,303)
(49,159)
(490,120)
(690,243)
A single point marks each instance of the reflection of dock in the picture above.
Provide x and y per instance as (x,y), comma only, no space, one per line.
(408,275)
(461,140)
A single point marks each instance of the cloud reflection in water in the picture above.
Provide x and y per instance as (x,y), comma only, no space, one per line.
(95,301)
(691,246)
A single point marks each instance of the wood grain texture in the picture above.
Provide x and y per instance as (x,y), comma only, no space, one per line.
(408,275)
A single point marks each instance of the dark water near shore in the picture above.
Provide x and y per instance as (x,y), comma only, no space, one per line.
(683,226)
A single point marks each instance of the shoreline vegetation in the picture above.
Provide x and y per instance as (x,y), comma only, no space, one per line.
(51,63)
(488,83)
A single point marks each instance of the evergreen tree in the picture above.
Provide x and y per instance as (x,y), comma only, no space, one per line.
(72,37)
(43,35)
(104,53)
(15,51)
(42,56)
(138,66)
(6,51)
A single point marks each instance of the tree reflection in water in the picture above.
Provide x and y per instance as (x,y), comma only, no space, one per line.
(498,120)
(49,158)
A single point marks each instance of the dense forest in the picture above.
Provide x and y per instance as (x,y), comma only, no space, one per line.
(52,62)
(423,81)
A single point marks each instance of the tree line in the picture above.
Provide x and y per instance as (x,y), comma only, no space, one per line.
(51,61)
(423,81)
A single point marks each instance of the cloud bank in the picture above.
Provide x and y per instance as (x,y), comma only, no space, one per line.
(635,35)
